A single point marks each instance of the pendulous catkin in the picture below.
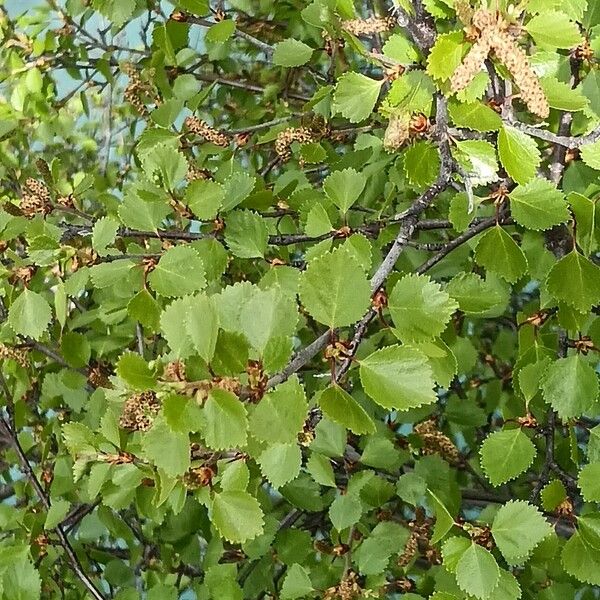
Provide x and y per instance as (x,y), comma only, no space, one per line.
(368,26)
(288,136)
(210,134)
(36,199)
(493,37)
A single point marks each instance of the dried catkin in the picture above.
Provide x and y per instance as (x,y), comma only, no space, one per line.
(397,132)
(436,442)
(19,355)
(368,26)
(36,199)
(288,136)
(139,411)
(210,134)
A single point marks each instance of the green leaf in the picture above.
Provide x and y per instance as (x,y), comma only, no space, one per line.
(221,31)
(116,11)
(355,96)
(30,314)
(587,218)
(266,315)
(373,554)
(204,198)
(344,188)
(505,455)
(111,273)
(498,252)
(478,159)
(421,163)
(167,449)
(291,53)
(104,233)
(590,154)
(281,413)
(174,327)
(446,55)
(475,296)
(345,511)
(538,205)
(320,470)
(589,482)
(589,529)
(477,572)
(397,377)
(443,519)
(56,513)
(134,370)
(202,321)
(575,280)
(475,115)
(246,234)
(562,96)
(518,153)
(280,463)
(413,92)
(340,407)
(179,272)
(138,213)
(346,295)
(420,308)
(570,385)
(237,516)
(226,422)
(296,584)
(236,189)
(581,560)
(145,309)
(518,528)
(553,29)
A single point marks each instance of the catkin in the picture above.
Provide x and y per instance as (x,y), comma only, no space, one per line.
(36,199)
(139,411)
(288,136)
(494,38)
(397,132)
(210,134)
(368,26)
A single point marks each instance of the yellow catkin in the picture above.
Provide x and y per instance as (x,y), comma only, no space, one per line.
(35,199)
(19,355)
(436,442)
(288,136)
(368,26)
(397,132)
(494,38)
(515,60)
(210,134)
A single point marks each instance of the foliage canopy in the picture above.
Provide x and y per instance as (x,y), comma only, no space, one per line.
(299,299)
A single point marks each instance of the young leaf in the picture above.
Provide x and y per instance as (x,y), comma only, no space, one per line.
(575,280)
(420,308)
(397,377)
(340,407)
(29,314)
(344,188)
(570,385)
(180,271)
(538,205)
(498,252)
(226,422)
(237,516)
(280,463)
(477,572)
(518,153)
(346,295)
(355,96)
(518,528)
(291,53)
(505,455)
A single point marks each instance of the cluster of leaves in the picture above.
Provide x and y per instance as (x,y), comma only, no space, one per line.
(284,313)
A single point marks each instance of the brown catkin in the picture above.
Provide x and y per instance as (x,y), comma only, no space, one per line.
(436,442)
(19,355)
(35,199)
(210,134)
(288,136)
(194,173)
(368,26)
(139,411)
